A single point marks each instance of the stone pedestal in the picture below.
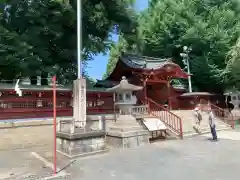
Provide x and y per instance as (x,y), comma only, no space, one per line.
(73,141)
(81,144)
(127,139)
(127,133)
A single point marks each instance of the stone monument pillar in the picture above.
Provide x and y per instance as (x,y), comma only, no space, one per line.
(79,104)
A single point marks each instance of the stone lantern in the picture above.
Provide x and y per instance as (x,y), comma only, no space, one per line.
(127,131)
(124,98)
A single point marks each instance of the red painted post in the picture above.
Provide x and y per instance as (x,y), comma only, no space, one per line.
(145,91)
(54,126)
(181,128)
(169,94)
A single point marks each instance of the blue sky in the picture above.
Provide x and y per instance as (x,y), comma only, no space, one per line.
(97,67)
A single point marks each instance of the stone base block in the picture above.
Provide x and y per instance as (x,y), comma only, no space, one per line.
(129,139)
(81,144)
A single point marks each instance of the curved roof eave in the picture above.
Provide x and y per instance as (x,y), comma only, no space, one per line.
(127,63)
(141,65)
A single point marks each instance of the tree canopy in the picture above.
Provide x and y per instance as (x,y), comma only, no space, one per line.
(39,37)
(209,27)
(232,71)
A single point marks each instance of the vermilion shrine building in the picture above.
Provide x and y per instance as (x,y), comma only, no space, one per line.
(153,73)
(156,76)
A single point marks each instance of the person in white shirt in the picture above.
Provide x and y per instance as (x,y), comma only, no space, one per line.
(211,120)
(198,119)
(198,116)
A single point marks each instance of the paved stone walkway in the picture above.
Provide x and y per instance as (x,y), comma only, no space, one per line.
(194,158)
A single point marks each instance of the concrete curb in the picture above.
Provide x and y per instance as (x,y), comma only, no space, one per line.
(60,176)
(29,122)
(16,124)
(5,124)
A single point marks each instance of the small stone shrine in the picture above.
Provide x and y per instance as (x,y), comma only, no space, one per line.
(126,132)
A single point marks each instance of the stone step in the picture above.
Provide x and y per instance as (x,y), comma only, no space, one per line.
(188,121)
(205,131)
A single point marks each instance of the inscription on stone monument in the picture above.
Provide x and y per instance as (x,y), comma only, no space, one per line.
(82,103)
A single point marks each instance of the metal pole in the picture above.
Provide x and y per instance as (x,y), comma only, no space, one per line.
(185,57)
(54,126)
(189,77)
(79,37)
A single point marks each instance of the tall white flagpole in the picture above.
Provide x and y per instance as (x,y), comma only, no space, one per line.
(79,87)
(79,38)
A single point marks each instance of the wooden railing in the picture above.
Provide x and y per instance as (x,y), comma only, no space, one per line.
(223,114)
(172,121)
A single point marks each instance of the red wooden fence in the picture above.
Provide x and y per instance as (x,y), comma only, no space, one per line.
(38,103)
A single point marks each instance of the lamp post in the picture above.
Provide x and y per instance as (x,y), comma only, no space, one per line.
(185,56)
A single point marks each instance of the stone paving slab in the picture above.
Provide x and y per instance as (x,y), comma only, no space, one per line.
(192,158)
(20,164)
(62,161)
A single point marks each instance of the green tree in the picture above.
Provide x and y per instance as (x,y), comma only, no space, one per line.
(209,27)
(114,55)
(42,34)
(232,71)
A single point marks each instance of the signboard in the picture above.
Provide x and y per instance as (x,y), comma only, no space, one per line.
(154,124)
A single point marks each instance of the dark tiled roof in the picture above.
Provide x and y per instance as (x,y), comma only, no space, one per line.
(139,62)
(136,61)
(5,86)
(106,83)
(179,86)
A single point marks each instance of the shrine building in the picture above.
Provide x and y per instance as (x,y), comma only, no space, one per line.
(154,74)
